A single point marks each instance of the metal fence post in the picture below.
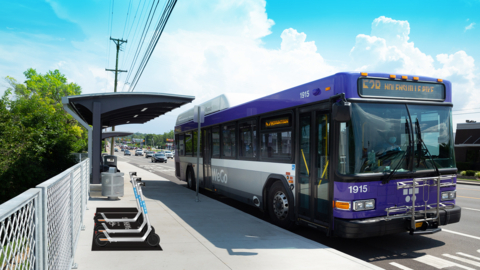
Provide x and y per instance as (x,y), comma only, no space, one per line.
(39,231)
(44,206)
(83,199)
(72,219)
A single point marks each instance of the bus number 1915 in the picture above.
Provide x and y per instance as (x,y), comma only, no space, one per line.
(358,189)
(305,94)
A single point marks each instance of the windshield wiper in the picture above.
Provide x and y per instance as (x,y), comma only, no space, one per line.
(420,142)
(407,130)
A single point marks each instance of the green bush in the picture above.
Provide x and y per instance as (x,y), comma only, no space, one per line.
(470,173)
(463,173)
(477,175)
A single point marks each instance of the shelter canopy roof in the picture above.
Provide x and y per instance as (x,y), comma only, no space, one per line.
(125,107)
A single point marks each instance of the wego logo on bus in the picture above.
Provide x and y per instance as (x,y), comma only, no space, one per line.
(219,176)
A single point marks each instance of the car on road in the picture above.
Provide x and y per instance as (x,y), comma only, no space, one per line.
(159,157)
(116,149)
(127,153)
(139,152)
(168,154)
(149,154)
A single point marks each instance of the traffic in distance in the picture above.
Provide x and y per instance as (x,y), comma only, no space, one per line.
(353,154)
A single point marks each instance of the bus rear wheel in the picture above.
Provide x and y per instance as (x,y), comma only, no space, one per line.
(279,206)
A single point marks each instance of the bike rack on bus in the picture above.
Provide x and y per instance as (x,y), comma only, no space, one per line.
(410,211)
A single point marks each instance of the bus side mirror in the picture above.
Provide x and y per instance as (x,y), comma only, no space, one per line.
(342,111)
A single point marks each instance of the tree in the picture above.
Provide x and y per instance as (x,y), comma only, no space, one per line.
(37,136)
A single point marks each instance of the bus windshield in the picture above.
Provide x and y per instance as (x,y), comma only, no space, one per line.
(378,139)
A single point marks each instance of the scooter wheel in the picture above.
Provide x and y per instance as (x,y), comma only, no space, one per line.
(98,227)
(98,242)
(153,239)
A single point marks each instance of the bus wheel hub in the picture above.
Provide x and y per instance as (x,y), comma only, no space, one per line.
(280,205)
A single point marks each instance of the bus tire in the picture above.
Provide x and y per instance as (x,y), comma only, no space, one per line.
(279,206)
(190,179)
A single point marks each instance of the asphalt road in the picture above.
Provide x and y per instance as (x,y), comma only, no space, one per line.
(456,247)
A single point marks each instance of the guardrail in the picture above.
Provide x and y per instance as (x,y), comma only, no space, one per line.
(39,229)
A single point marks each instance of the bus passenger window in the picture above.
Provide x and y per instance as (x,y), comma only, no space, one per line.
(188,144)
(195,138)
(277,145)
(248,139)
(180,145)
(215,142)
(229,140)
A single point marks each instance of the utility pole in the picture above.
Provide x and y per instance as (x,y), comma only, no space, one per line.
(118,43)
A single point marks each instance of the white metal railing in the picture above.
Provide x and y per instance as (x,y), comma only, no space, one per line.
(39,229)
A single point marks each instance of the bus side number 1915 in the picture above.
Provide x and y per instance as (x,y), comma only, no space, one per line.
(358,189)
(305,94)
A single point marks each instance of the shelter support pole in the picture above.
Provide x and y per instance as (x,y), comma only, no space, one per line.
(97,145)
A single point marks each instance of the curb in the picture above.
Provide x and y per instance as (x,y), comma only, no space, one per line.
(466,182)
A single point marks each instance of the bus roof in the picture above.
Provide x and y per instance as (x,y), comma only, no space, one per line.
(318,90)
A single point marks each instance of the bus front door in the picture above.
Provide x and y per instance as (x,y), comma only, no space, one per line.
(312,168)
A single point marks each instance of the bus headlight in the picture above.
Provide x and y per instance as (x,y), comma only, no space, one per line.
(449,195)
(364,205)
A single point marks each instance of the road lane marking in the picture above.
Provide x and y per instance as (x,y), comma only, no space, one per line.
(462,234)
(468,256)
(400,266)
(477,264)
(439,263)
(471,209)
(469,197)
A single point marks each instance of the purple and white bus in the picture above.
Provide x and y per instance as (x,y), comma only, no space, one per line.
(353,154)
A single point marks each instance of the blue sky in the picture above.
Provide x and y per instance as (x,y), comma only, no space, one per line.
(247,47)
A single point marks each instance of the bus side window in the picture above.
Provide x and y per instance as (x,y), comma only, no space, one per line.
(216,142)
(247,139)
(181,145)
(188,144)
(229,139)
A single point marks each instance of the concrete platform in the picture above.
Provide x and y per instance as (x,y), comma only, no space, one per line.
(205,235)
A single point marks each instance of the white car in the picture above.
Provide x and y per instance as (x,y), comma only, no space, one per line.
(168,154)
(139,152)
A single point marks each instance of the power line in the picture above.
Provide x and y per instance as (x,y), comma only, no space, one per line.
(153,43)
(142,38)
(126,19)
(111,26)
(126,55)
(110,14)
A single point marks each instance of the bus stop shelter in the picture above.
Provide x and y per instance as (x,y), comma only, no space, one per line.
(109,134)
(103,110)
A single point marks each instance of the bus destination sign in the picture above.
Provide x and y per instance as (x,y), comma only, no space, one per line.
(276,122)
(400,89)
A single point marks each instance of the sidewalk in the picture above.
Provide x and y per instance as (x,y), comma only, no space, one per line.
(205,235)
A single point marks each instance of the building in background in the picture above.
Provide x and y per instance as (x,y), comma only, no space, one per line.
(467,146)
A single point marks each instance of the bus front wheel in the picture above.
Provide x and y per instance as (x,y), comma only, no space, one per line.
(279,206)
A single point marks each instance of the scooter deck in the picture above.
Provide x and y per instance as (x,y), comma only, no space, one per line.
(116,210)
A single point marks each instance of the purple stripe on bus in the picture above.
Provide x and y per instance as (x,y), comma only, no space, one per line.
(343,82)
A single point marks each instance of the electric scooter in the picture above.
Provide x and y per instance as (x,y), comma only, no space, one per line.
(144,233)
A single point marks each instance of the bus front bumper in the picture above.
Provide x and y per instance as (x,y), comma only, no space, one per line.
(381,226)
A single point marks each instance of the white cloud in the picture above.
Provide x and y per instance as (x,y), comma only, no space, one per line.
(470,26)
(387,49)
(215,47)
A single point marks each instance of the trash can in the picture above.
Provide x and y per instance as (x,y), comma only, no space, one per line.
(112,185)
(110,161)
